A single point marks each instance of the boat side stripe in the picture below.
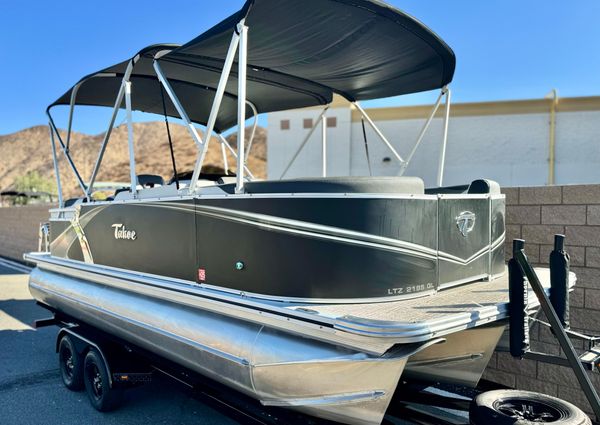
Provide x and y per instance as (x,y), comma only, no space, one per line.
(315,231)
(320,231)
(336,233)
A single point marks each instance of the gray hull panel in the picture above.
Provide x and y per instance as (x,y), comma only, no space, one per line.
(338,248)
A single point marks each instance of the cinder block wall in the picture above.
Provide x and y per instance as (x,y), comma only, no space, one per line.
(536,214)
(19,228)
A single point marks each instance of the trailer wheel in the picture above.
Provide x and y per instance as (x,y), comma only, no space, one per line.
(515,407)
(71,364)
(97,384)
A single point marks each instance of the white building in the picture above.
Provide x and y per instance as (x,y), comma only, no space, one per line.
(509,141)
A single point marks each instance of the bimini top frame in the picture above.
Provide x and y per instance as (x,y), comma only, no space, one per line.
(404,163)
(300,55)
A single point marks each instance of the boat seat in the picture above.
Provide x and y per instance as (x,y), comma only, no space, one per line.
(227,179)
(484,186)
(200,183)
(150,180)
(157,192)
(477,187)
(357,184)
(73,201)
(447,190)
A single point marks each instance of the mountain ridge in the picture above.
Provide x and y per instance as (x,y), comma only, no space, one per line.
(29,150)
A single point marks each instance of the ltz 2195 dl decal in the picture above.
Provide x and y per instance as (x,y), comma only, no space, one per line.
(411,289)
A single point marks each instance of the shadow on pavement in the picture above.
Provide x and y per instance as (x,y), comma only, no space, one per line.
(31,391)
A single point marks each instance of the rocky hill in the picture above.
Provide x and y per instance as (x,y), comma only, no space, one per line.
(29,150)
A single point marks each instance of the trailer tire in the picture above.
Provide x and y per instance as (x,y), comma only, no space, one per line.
(515,407)
(71,364)
(97,385)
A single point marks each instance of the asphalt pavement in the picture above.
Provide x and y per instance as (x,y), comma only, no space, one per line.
(31,391)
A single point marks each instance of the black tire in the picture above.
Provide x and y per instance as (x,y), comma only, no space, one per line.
(71,364)
(515,407)
(97,385)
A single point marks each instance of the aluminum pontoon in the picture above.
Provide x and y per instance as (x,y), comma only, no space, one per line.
(317,294)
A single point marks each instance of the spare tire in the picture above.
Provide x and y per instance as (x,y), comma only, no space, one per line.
(515,407)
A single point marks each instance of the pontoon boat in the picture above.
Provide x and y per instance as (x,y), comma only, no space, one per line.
(317,294)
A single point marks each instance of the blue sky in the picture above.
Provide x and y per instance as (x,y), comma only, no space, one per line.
(505,49)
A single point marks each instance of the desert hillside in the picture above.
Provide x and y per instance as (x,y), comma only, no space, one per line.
(29,150)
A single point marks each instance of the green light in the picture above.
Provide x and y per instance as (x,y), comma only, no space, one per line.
(239,265)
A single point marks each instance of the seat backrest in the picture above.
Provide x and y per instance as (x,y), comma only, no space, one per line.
(227,179)
(484,186)
(150,180)
(356,184)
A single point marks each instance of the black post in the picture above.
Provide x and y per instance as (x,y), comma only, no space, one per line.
(559,280)
(517,292)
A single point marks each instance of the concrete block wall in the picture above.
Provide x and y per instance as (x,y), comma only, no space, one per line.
(19,228)
(536,214)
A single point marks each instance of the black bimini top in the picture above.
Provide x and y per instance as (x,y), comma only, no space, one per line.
(299,54)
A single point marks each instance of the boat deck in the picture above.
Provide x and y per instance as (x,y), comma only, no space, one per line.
(371,326)
(460,307)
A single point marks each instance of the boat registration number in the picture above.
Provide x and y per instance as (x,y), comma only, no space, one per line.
(411,289)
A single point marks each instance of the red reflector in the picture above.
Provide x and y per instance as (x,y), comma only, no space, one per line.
(201,275)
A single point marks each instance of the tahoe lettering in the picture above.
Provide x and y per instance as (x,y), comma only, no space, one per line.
(122,233)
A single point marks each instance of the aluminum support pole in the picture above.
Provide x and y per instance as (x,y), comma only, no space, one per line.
(242,62)
(66,153)
(324,145)
(440,176)
(254,125)
(74,97)
(303,143)
(111,125)
(132,174)
(378,132)
(71,109)
(233,152)
(184,116)
(56,170)
(212,118)
(422,133)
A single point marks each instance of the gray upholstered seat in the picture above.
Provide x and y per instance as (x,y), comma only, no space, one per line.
(359,184)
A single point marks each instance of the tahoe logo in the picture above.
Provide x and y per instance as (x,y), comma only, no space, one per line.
(465,222)
(122,233)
